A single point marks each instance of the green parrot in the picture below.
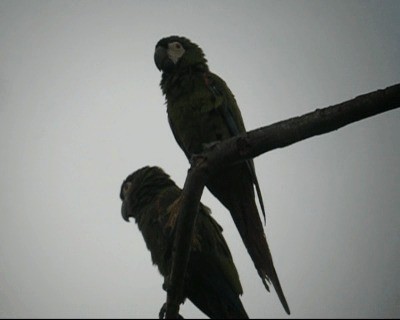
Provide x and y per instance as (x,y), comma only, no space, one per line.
(212,281)
(201,111)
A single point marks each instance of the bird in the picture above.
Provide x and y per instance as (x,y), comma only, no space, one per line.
(212,282)
(201,111)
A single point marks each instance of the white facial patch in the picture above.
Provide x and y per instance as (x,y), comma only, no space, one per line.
(175,51)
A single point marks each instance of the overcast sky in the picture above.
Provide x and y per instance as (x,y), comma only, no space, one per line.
(81,108)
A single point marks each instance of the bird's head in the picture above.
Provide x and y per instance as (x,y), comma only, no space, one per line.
(176,52)
(140,187)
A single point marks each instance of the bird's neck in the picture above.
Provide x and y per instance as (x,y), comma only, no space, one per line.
(181,77)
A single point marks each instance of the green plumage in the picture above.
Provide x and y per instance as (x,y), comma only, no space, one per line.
(202,110)
(212,284)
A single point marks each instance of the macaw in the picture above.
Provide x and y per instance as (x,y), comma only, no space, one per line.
(212,282)
(202,110)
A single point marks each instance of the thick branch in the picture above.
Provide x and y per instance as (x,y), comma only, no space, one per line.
(287,132)
(250,145)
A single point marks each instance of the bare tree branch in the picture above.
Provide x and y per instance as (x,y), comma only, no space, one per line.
(189,206)
(253,144)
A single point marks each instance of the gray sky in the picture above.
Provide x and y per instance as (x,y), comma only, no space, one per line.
(81,108)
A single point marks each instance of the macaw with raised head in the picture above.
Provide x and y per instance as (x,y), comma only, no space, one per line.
(201,111)
(212,282)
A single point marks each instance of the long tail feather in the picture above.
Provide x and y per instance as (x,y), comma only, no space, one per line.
(236,192)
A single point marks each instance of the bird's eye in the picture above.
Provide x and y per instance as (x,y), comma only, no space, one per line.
(126,186)
(178,46)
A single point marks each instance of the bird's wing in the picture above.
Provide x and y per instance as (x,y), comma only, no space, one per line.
(214,245)
(207,241)
(230,112)
(212,265)
(214,285)
(177,138)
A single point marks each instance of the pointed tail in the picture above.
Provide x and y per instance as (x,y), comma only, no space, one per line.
(257,246)
(234,188)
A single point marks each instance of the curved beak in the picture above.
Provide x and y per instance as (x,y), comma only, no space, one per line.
(160,57)
(124,212)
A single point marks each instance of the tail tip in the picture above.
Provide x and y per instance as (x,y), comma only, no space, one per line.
(286,307)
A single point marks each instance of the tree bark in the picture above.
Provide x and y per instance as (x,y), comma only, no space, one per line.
(250,145)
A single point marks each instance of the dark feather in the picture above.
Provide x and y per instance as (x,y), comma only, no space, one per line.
(202,110)
(212,281)
(226,113)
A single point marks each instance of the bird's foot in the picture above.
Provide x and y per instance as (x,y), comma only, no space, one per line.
(163,312)
(210,145)
(197,159)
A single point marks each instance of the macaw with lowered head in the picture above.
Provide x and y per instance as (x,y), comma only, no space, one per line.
(211,281)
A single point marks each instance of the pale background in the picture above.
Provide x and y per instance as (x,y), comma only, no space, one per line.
(81,108)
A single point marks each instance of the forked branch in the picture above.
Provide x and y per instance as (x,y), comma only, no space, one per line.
(251,145)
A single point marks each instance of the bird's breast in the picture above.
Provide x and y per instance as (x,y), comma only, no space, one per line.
(196,121)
